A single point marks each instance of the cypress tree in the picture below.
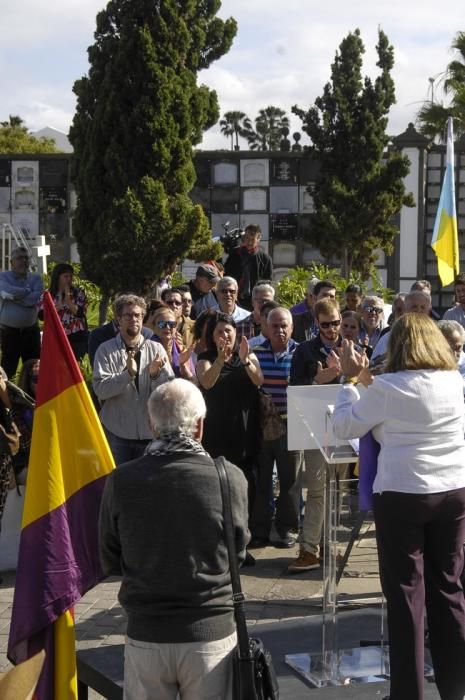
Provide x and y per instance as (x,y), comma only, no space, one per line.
(360,187)
(139,112)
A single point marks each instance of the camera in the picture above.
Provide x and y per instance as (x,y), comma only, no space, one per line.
(231,238)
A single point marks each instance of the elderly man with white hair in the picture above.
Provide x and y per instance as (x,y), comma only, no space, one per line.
(161,529)
(251,325)
(226,292)
(372,313)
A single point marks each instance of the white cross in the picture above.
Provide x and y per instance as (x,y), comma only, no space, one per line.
(41,250)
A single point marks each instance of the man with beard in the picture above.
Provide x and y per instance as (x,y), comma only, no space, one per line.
(127,369)
(316,362)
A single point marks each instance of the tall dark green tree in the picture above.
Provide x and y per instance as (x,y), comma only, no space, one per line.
(139,112)
(267,134)
(360,187)
(433,116)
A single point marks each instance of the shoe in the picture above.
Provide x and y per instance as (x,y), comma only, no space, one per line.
(288,540)
(249,560)
(306,561)
(258,543)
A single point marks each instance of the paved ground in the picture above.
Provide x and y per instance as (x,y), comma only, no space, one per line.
(272,594)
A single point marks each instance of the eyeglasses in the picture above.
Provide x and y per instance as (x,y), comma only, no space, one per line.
(166,324)
(373,309)
(172,302)
(228,291)
(330,324)
(136,316)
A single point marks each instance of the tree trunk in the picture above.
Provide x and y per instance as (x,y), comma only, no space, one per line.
(103,308)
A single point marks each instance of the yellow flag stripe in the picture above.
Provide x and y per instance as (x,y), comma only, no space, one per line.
(65,657)
(446,248)
(68,451)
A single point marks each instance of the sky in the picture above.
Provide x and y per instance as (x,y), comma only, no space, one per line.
(281,55)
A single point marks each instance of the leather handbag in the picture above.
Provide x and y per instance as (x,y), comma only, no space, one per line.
(9,433)
(272,424)
(254,677)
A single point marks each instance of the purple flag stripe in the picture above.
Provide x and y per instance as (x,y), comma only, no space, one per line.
(368,466)
(59,563)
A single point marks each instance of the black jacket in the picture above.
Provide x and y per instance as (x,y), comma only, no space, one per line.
(305,362)
(261,268)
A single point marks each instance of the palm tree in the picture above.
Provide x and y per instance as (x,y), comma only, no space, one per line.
(432,116)
(15,121)
(235,124)
(267,134)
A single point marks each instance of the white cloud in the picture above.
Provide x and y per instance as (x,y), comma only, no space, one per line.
(282,54)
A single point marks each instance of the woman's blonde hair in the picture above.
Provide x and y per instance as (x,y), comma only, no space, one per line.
(415,342)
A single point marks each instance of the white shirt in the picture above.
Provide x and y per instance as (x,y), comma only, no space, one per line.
(417,417)
(256,340)
(239,314)
(456,313)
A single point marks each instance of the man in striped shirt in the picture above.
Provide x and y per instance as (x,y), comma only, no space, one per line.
(275,356)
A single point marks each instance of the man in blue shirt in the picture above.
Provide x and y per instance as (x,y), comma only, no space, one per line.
(20,290)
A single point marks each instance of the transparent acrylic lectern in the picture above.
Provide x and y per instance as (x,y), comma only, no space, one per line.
(310,427)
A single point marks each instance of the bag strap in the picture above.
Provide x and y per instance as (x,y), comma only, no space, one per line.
(238,596)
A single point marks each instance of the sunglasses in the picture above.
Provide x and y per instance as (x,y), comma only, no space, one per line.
(228,291)
(373,309)
(330,324)
(166,324)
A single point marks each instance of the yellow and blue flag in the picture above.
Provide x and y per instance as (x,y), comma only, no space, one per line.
(445,242)
(58,554)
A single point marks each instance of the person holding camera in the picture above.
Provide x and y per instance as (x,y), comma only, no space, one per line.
(248,264)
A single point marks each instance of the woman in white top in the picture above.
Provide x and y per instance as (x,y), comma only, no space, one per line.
(415,412)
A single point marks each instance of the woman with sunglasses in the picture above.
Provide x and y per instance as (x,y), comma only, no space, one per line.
(162,321)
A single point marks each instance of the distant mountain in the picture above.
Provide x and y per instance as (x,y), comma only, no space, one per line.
(60,137)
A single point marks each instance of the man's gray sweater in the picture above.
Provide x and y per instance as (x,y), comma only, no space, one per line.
(161,529)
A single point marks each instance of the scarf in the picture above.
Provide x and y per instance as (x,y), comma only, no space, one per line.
(174,441)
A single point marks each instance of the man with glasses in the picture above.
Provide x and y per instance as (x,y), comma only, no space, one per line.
(227,297)
(20,290)
(316,362)
(127,369)
(173,299)
(372,313)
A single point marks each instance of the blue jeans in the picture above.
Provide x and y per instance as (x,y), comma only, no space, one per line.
(124,449)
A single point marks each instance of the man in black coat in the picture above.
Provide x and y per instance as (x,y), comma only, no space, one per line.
(247,264)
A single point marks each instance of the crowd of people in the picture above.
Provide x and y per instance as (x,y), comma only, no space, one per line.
(227,348)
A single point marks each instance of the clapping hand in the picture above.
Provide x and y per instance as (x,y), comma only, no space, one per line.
(244,350)
(131,364)
(224,351)
(156,365)
(352,361)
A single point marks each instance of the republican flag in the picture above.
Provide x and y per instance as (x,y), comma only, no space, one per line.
(58,554)
(445,242)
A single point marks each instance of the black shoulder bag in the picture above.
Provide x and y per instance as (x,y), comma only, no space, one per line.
(254,675)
